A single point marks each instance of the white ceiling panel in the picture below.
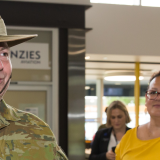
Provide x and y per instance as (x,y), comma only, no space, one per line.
(107,66)
(99,64)
(92,71)
(153,67)
(123,58)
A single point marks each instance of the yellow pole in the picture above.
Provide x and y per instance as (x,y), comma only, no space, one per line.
(137,92)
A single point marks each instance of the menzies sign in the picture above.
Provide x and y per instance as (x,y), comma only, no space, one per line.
(30,56)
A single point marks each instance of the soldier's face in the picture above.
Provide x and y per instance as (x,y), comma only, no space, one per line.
(5,68)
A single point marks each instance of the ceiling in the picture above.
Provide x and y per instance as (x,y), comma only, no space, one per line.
(100,65)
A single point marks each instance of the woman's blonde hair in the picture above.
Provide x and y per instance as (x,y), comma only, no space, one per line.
(115,105)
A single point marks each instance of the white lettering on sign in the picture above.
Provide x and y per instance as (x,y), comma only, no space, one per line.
(30,56)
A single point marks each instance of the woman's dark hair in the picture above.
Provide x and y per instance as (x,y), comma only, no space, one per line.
(155,74)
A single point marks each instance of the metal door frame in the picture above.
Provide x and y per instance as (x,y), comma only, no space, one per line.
(52,88)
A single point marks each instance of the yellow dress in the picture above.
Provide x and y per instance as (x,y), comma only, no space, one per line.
(132,148)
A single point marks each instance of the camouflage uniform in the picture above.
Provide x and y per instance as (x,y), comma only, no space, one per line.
(23,136)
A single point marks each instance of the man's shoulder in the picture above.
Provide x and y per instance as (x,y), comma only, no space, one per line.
(28,117)
(41,131)
(31,123)
(10,113)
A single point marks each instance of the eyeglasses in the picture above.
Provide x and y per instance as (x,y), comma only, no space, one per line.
(152,95)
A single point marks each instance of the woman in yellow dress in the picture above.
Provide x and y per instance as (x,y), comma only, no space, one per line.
(143,142)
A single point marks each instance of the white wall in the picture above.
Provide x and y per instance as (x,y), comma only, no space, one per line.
(77,2)
(121,29)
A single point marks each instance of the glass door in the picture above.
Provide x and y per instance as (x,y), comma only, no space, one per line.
(33,99)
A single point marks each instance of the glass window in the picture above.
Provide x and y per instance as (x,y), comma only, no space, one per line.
(90,90)
(40,75)
(123,2)
(144,117)
(91,121)
(153,3)
(34,103)
(124,93)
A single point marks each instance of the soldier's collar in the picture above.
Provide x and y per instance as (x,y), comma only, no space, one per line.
(8,112)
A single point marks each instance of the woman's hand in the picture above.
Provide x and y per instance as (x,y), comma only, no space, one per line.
(110,155)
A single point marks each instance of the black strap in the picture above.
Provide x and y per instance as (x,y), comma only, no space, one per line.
(6,84)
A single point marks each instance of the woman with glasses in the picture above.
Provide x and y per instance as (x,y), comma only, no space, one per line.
(143,142)
(105,140)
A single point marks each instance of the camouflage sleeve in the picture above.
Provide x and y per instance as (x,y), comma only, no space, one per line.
(61,154)
(38,140)
(54,152)
(57,152)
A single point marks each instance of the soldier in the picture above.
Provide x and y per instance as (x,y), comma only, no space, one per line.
(23,136)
